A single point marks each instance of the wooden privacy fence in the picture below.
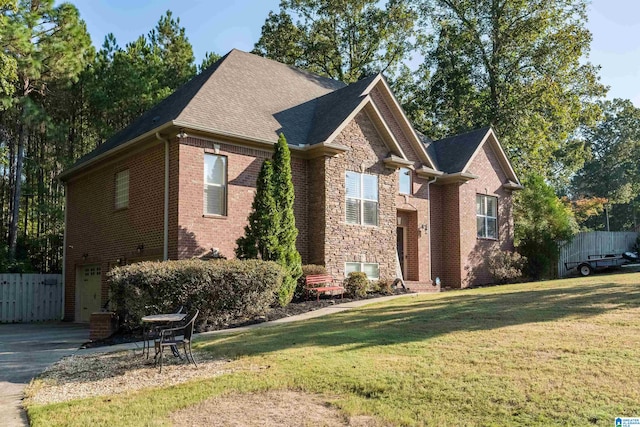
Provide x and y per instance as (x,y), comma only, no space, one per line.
(594,243)
(30,297)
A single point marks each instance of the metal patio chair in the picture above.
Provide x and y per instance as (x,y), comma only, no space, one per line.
(151,332)
(174,337)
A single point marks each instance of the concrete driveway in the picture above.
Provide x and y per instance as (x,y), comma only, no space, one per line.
(25,351)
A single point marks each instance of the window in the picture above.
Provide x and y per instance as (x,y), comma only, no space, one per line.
(215,185)
(362,198)
(122,189)
(487,216)
(369,268)
(405,181)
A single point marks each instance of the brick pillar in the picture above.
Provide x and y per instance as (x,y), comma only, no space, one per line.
(102,325)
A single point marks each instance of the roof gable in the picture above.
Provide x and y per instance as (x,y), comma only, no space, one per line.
(455,154)
(251,96)
(367,85)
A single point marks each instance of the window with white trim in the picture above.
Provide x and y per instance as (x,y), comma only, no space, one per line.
(362,198)
(405,181)
(371,269)
(487,216)
(122,189)
(215,184)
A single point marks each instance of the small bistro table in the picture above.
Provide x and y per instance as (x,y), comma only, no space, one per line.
(154,320)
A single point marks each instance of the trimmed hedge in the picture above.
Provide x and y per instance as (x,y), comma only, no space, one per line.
(221,289)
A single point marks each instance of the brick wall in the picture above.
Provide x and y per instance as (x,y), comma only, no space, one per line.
(99,234)
(449,244)
(197,233)
(474,251)
(317,197)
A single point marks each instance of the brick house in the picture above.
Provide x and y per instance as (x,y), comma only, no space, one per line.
(371,193)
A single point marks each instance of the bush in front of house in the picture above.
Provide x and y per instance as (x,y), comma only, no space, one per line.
(382,286)
(221,289)
(357,284)
(506,266)
(307,270)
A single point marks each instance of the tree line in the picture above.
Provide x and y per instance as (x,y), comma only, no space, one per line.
(455,65)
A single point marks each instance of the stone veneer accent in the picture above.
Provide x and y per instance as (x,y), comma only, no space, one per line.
(353,242)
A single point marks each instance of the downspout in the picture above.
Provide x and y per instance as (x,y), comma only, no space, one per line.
(429,224)
(165,246)
(64,251)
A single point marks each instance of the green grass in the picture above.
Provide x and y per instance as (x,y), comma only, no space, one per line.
(548,353)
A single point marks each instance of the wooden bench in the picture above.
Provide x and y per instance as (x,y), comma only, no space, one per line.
(321,283)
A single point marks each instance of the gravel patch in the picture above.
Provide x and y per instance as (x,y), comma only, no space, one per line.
(270,409)
(77,377)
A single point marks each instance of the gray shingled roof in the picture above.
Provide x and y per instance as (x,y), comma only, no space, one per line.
(453,153)
(242,94)
(250,96)
(334,108)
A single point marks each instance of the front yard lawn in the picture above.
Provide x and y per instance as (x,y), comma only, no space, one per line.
(548,353)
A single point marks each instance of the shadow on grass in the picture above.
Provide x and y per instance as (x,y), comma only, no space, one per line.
(404,320)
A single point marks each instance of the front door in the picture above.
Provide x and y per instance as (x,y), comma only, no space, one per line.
(400,248)
(88,291)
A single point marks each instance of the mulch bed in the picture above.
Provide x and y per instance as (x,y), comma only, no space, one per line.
(274,313)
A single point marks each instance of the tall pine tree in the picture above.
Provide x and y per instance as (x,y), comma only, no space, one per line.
(48,43)
(271,233)
(261,237)
(284,197)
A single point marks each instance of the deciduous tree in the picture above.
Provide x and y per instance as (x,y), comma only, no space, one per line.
(542,221)
(341,39)
(613,171)
(516,65)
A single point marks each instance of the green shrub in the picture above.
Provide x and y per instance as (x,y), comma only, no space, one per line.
(307,270)
(382,286)
(542,220)
(221,289)
(357,284)
(506,266)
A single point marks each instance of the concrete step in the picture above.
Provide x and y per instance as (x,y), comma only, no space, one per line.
(421,286)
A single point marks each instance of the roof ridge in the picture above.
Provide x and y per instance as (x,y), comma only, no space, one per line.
(301,70)
(484,128)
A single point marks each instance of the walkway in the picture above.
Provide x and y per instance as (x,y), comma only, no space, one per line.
(26,349)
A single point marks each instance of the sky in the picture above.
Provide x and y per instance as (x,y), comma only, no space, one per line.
(221,25)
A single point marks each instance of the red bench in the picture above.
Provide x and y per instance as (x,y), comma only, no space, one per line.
(321,283)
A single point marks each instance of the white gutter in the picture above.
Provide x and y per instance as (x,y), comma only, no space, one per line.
(165,246)
(64,250)
(429,223)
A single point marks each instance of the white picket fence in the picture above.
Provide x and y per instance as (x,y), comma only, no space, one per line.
(30,297)
(594,243)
